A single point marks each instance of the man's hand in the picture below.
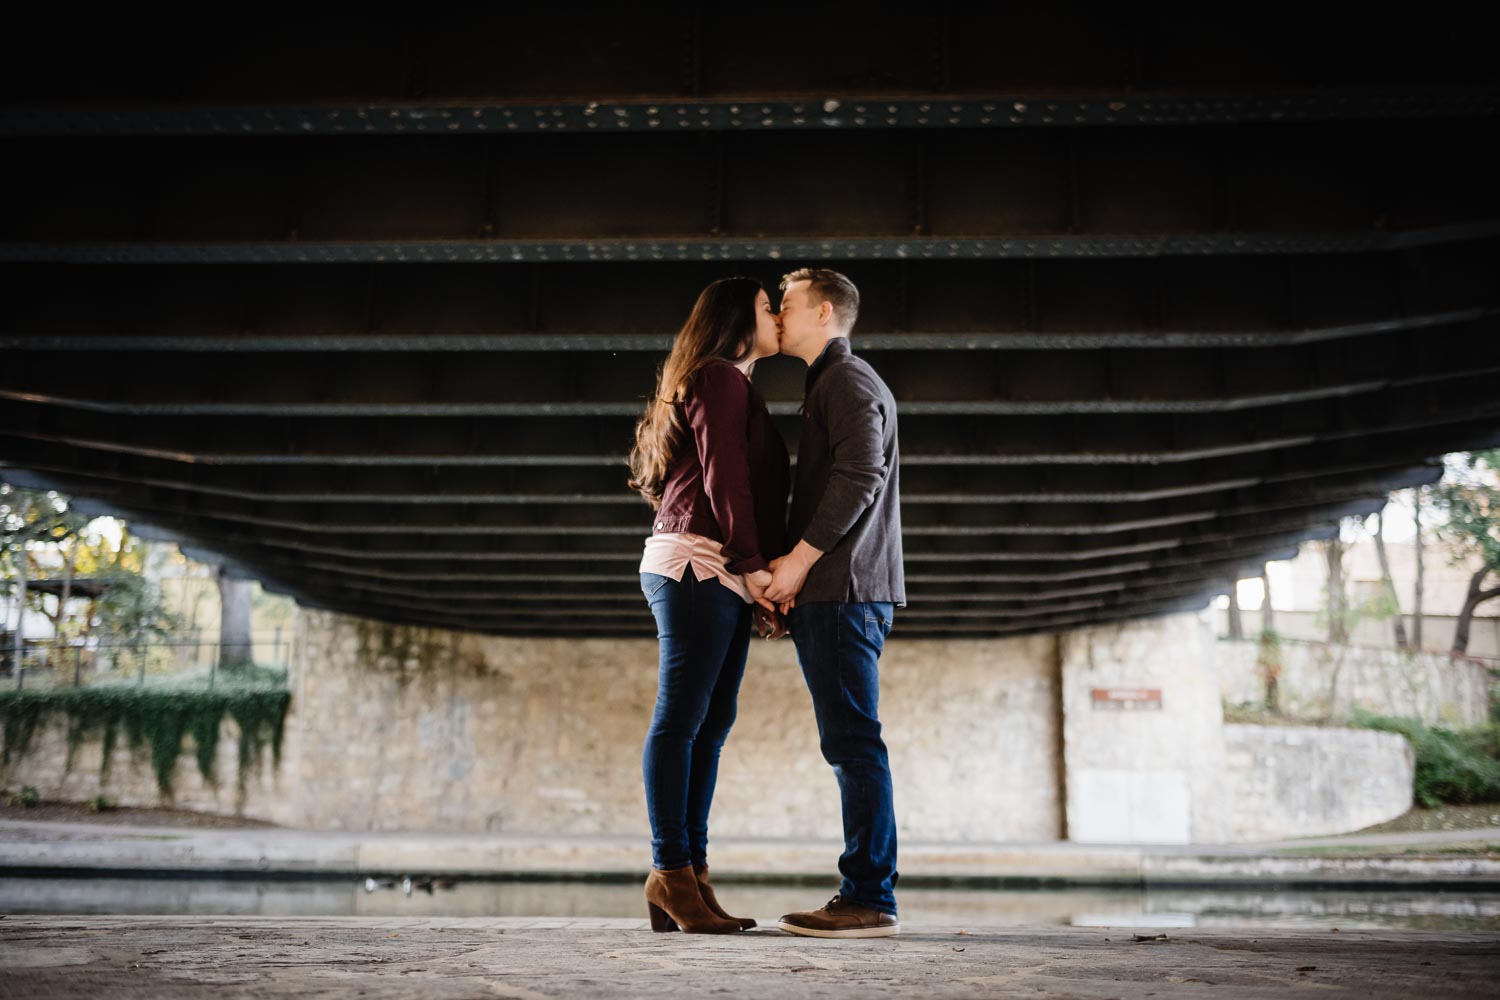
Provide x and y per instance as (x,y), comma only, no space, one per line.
(789,573)
(757,583)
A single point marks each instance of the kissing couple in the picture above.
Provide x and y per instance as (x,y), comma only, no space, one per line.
(725,553)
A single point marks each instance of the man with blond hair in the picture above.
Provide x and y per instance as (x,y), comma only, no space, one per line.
(839,586)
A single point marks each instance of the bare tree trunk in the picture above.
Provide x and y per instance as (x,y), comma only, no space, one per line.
(21,580)
(1338,631)
(1236,626)
(1475,597)
(1416,605)
(1385,578)
(20,588)
(234,621)
(1267,620)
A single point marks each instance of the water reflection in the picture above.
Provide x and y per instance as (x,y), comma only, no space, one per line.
(1126,907)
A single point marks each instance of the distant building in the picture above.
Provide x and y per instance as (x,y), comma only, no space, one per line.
(1298,595)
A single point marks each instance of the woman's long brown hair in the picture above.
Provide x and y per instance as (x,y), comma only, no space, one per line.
(721,325)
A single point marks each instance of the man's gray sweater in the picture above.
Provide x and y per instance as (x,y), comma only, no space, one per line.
(847,498)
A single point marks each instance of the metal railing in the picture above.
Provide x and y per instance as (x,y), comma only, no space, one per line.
(45,663)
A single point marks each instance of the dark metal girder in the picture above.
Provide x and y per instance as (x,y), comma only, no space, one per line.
(338,574)
(662,343)
(1187,560)
(698,52)
(921,628)
(926,439)
(936,305)
(575,484)
(752,113)
(924,384)
(1137,525)
(1002,518)
(692,248)
(627,599)
(1341,188)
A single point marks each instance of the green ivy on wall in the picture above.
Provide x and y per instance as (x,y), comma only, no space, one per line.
(158,717)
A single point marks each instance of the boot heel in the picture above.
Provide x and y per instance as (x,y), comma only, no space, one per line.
(660,921)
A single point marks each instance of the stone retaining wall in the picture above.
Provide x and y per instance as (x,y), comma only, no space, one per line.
(404,729)
(1306,781)
(1431,686)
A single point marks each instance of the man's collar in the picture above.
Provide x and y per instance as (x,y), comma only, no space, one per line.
(837,347)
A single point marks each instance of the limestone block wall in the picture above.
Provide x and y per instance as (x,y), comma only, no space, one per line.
(131,779)
(406,729)
(1304,781)
(1430,686)
(402,729)
(1143,740)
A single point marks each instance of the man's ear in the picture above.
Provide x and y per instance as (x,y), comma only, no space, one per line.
(825,312)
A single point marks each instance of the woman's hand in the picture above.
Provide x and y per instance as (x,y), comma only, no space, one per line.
(757,583)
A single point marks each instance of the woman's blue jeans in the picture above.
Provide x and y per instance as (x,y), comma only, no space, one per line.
(703,633)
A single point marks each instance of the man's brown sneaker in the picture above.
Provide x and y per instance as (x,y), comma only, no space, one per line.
(841,918)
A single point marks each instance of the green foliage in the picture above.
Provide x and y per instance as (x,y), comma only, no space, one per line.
(1469,498)
(133,609)
(1268,663)
(28,796)
(157,717)
(100,804)
(35,516)
(1452,765)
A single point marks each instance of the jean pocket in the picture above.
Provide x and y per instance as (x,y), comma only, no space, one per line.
(652,582)
(877,625)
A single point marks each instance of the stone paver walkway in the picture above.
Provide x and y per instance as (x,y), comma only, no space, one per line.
(463,959)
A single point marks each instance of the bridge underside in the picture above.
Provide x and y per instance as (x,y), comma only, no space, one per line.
(373,319)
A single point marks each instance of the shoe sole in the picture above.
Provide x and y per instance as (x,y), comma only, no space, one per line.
(852,932)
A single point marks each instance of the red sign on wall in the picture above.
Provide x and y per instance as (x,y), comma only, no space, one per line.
(1127,699)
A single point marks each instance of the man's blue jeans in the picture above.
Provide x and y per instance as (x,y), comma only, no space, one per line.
(839,647)
(703,634)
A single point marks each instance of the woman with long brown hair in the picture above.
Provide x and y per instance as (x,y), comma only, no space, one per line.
(709,459)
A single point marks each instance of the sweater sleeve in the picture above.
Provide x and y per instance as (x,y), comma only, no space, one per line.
(856,436)
(716,406)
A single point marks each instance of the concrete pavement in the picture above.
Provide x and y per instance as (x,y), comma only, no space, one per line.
(462,959)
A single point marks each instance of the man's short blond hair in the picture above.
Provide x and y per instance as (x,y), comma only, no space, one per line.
(825,285)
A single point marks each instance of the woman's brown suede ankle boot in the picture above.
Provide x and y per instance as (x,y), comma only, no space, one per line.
(707,892)
(673,901)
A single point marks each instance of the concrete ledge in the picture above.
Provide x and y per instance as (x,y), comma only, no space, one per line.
(1269,871)
(260,851)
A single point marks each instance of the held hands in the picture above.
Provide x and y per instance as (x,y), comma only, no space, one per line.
(768,624)
(789,573)
(757,583)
